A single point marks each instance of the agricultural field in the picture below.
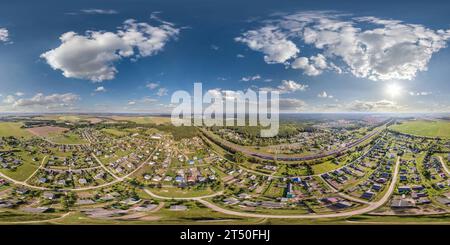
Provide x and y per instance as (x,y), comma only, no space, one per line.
(143,120)
(150,173)
(13,129)
(427,128)
(57,135)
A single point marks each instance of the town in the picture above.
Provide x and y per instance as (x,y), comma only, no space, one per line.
(95,169)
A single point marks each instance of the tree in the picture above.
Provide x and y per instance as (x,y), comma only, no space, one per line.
(68,200)
(239,157)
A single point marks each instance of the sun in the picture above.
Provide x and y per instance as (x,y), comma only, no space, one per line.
(394,90)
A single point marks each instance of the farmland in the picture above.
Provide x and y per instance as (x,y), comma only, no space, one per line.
(13,129)
(427,128)
(138,171)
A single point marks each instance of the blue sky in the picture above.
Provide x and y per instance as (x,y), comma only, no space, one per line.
(89,56)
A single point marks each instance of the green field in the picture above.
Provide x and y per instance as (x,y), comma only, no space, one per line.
(143,120)
(23,171)
(13,129)
(425,128)
(66,138)
(114,132)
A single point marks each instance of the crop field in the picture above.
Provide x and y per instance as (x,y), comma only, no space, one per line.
(143,120)
(13,129)
(424,128)
(57,135)
(114,132)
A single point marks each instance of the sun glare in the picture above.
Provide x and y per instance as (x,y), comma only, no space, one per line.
(393,90)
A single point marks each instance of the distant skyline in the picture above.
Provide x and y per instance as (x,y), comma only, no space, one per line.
(130,56)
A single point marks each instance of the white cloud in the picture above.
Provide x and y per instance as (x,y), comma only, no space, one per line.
(312,66)
(132,102)
(367,47)
(251,78)
(49,101)
(291,104)
(4,35)
(287,86)
(214,47)
(291,86)
(92,56)
(240,56)
(152,86)
(99,11)
(148,100)
(19,94)
(162,92)
(324,94)
(9,99)
(377,106)
(423,93)
(272,42)
(100,89)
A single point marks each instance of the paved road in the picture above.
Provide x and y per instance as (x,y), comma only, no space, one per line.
(371,207)
(281,157)
(444,165)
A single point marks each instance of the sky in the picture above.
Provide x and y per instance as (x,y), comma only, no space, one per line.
(130,56)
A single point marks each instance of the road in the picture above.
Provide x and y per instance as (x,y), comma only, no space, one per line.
(371,207)
(268,156)
(35,172)
(444,165)
(117,180)
(38,221)
(17,182)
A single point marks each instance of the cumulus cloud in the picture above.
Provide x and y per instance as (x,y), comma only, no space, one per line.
(324,94)
(367,47)
(92,56)
(49,101)
(377,106)
(240,56)
(4,35)
(291,104)
(251,78)
(9,99)
(312,66)
(287,86)
(272,42)
(100,89)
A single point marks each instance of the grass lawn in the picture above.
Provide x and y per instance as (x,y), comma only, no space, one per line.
(24,170)
(325,167)
(426,128)
(13,129)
